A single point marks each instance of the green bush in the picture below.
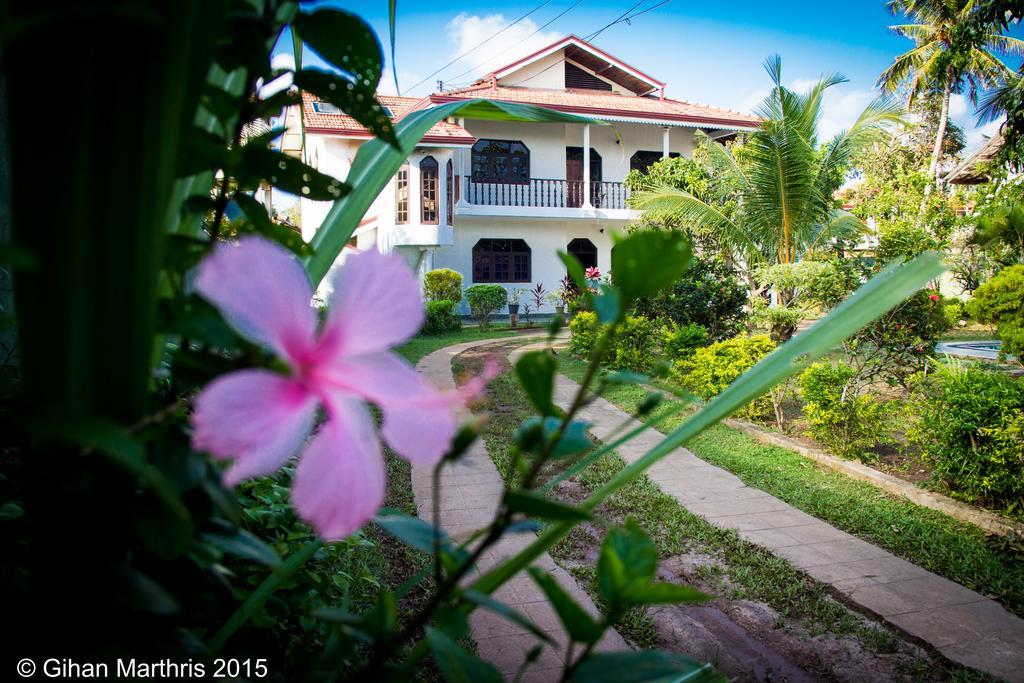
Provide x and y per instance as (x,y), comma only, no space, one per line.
(443,284)
(899,344)
(846,422)
(484,300)
(636,346)
(1000,301)
(971,430)
(583,330)
(711,369)
(708,294)
(954,312)
(441,318)
(680,341)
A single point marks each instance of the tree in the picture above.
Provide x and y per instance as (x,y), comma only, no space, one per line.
(951,52)
(772,196)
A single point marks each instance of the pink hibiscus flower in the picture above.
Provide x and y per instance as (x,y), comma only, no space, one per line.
(592,273)
(260,418)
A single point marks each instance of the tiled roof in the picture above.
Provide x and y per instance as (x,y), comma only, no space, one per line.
(342,124)
(600,102)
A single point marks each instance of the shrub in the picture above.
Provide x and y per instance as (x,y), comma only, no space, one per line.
(484,300)
(708,294)
(970,430)
(1000,301)
(636,345)
(583,328)
(954,312)
(711,369)
(680,341)
(443,284)
(441,318)
(846,422)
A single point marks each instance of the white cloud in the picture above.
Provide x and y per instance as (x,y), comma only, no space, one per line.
(957,106)
(466,31)
(976,137)
(405,79)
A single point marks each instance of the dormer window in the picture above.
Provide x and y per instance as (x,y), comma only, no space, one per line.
(325,108)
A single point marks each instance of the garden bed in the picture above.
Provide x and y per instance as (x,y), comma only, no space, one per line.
(766,620)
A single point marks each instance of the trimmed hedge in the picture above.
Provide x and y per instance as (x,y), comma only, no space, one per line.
(441,318)
(443,284)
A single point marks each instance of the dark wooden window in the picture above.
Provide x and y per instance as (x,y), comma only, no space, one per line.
(500,260)
(501,161)
(642,160)
(402,195)
(585,251)
(428,191)
(576,77)
(449,191)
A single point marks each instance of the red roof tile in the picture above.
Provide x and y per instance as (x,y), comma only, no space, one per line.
(600,102)
(342,124)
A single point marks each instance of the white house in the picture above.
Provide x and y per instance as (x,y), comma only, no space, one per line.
(496,200)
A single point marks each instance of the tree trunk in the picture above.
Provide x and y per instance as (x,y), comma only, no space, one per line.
(935,170)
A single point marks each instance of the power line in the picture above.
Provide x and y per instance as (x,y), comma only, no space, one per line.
(493,57)
(429,76)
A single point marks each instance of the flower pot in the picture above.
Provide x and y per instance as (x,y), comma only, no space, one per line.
(560,310)
(513,309)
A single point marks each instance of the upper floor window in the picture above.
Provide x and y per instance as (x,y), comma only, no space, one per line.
(402,195)
(578,78)
(501,260)
(501,161)
(428,191)
(584,250)
(449,191)
(642,159)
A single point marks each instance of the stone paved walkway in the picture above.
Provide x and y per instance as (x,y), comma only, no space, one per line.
(963,625)
(470,492)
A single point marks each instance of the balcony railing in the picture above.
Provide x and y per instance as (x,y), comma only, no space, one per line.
(547,193)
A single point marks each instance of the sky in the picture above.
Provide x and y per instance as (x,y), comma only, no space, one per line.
(707,52)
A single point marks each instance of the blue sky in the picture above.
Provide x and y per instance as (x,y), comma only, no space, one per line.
(709,52)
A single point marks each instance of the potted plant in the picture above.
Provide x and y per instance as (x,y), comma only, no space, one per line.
(557,300)
(514,295)
(538,294)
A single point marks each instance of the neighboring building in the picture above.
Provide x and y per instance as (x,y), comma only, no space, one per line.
(496,200)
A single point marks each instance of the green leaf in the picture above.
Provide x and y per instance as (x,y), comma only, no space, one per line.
(608,304)
(536,505)
(458,665)
(664,594)
(649,260)
(648,666)
(262,225)
(580,626)
(626,377)
(377,162)
(417,533)
(288,174)
(503,610)
(536,372)
(627,562)
(356,100)
(345,41)
(244,544)
(574,439)
(537,432)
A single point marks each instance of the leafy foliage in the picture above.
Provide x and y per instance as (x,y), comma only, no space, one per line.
(710,370)
(443,284)
(441,318)
(484,300)
(839,416)
(1000,301)
(970,430)
(708,294)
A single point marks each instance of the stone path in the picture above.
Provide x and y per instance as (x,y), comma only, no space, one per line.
(963,625)
(470,492)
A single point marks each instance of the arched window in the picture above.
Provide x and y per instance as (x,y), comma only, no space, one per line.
(428,191)
(449,191)
(500,260)
(402,194)
(501,161)
(585,251)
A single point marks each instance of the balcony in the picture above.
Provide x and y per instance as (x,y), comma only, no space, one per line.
(545,197)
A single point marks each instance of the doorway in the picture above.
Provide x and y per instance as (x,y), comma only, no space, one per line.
(574,176)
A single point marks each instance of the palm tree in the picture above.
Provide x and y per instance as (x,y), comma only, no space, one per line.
(775,194)
(950,53)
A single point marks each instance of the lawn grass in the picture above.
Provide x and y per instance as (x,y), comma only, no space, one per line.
(743,570)
(418,347)
(957,550)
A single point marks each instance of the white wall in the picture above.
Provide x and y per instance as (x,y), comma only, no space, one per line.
(548,72)
(545,238)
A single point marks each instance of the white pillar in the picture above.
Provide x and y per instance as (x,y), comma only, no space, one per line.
(586,166)
(664,143)
(463,176)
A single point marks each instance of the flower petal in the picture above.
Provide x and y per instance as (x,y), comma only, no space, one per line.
(339,483)
(419,420)
(375,305)
(263,292)
(257,417)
